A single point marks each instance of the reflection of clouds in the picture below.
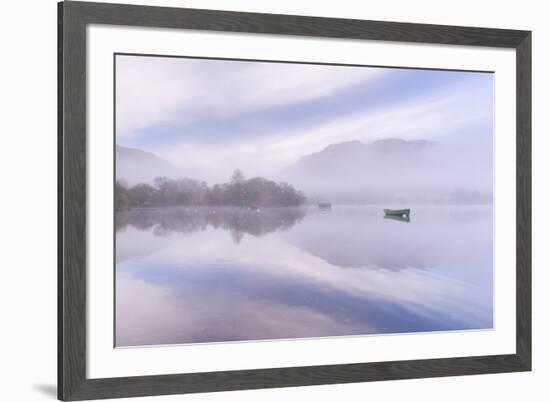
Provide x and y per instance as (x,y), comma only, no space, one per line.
(203,287)
(158,316)
(143,310)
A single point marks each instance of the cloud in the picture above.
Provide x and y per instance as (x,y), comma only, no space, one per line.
(153,90)
(427,116)
(210,117)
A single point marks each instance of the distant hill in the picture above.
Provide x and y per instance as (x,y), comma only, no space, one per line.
(395,171)
(342,152)
(137,166)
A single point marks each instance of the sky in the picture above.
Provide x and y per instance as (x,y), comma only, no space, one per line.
(209,117)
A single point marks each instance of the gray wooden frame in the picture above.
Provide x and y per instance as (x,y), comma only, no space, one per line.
(73,18)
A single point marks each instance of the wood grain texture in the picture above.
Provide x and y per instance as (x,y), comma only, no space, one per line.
(73,19)
(230,21)
(523,200)
(72,266)
(60,220)
(294,376)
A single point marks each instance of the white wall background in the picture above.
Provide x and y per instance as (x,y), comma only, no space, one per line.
(28,199)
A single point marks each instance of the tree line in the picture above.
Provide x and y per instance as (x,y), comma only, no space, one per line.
(237,192)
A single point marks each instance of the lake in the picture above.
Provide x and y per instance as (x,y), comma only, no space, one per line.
(200,274)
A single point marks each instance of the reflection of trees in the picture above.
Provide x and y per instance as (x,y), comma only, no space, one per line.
(191,219)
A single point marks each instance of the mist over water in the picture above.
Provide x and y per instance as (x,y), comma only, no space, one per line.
(215,274)
(249,207)
(396,171)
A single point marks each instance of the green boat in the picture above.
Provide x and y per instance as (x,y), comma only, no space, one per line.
(397,212)
(400,218)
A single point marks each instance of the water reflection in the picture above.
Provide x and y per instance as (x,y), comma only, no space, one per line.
(237,221)
(299,273)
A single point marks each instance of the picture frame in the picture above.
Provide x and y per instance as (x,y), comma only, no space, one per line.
(73,20)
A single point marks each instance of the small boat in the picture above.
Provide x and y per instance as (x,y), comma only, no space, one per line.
(324,205)
(397,212)
(253,207)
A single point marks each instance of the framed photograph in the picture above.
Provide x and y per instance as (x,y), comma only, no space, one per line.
(256,200)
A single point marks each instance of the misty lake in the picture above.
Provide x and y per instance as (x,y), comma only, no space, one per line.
(201,274)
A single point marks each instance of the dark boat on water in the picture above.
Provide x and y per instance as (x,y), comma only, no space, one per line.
(398,212)
(324,205)
(400,218)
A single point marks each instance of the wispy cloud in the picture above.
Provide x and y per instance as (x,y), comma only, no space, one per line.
(211,116)
(154,90)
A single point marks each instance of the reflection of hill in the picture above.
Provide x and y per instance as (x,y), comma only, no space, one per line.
(133,243)
(191,219)
(359,238)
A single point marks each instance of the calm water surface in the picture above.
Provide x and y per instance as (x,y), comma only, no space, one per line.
(186,275)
